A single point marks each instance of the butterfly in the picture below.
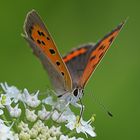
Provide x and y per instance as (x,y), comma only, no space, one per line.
(69,74)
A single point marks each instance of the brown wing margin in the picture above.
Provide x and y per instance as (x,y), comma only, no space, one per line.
(97,54)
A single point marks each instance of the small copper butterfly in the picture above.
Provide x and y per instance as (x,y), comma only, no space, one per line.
(68,74)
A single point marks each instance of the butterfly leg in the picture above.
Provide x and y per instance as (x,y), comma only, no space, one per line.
(55,107)
(62,111)
(51,112)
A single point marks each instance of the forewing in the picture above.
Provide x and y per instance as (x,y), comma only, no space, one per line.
(96,54)
(44,47)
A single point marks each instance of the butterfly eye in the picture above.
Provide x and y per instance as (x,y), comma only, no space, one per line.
(75,92)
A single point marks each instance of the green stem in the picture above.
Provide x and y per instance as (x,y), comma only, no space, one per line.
(4,119)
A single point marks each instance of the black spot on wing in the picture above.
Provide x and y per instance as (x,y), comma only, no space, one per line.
(38,41)
(43,42)
(39,32)
(57,63)
(42,34)
(62,73)
(52,51)
(48,38)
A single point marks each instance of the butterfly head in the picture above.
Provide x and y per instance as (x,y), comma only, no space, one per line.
(74,96)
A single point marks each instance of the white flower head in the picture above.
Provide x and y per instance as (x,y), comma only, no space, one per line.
(33,123)
(31,100)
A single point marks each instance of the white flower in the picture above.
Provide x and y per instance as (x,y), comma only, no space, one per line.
(14,111)
(24,135)
(62,115)
(58,117)
(23,126)
(33,133)
(48,101)
(4,100)
(31,100)
(1,111)
(16,137)
(11,92)
(44,114)
(5,132)
(82,126)
(55,131)
(63,137)
(1,121)
(52,138)
(30,115)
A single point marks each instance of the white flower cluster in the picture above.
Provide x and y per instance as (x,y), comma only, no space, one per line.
(25,116)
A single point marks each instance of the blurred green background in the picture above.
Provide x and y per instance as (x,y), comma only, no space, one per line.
(116,82)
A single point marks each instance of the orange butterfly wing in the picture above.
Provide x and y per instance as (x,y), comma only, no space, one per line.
(97,53)
(36,30)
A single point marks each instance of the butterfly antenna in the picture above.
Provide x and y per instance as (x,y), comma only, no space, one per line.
(103,107)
